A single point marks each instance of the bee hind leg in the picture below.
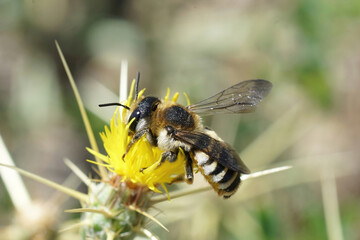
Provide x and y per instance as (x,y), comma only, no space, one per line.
(189,173)
(177,179)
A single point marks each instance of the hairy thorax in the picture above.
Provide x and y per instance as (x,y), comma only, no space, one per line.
(177,117)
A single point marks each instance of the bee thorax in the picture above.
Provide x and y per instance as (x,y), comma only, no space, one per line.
(178,116)
(166,142)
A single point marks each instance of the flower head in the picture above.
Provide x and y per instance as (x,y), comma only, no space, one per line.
(140,166)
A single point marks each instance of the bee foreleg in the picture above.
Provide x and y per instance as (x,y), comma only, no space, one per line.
(137,136)
(189,174)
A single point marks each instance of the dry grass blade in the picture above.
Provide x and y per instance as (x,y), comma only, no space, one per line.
(77,172)
(75,194)
(58,198)
(92,210)
(308,170)
(12,181)
(123,81)
(148,234)
(182,193)
(84,116)
(110,236)
(277,137)
(76,225)
(149,216)
(331,205)
(265,172)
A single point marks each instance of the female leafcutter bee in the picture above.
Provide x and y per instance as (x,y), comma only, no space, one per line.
(171,127)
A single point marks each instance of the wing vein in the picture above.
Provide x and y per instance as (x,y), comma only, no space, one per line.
(240,98)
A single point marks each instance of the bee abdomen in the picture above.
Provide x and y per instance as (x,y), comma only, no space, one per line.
(224,181)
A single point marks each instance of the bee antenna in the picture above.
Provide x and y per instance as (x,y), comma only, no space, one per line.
(137,86)
(114,104)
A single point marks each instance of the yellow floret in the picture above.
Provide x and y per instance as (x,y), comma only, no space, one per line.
(142,155)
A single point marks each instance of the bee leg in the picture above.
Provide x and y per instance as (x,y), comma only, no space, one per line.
(177,179)
(189,174)
(137,136)
(169,155)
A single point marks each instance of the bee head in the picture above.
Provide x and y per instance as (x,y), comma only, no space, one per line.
(143,112)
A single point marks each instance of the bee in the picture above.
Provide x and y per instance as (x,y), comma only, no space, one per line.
(171,127)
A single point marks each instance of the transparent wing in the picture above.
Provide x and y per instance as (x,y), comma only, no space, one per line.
(240,98)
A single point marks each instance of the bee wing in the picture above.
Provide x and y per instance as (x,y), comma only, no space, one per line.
(218,150)
(240,98)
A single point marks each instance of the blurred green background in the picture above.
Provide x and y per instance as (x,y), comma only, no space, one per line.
(309,50)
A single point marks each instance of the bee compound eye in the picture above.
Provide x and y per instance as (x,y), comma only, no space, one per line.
(154,106)
(170,130)
(136,116)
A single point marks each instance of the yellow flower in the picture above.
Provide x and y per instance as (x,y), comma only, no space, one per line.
(142,155)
